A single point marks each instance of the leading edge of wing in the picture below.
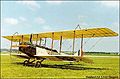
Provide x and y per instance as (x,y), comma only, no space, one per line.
(68,34)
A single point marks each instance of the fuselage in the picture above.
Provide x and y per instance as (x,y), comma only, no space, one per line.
(33,49)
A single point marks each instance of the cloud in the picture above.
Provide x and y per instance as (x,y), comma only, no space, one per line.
(47,28)
(39,20)
(115,26)
(83,24)
(81,16)
(54,2)
(110,3)
(11,21)
(2,31)
(30,4)
(22,18)
(23,21)
(20,21)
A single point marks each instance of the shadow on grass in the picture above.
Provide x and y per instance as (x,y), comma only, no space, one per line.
(65,66)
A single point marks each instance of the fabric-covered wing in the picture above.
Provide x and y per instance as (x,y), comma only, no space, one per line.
(58,58)
(21,56)
(70,34)
(66,58)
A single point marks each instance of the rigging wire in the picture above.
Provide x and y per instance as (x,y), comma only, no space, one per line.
(86,41)
(95,44)
(68,46)
(78,26)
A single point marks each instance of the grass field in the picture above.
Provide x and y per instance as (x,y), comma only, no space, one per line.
(103,66)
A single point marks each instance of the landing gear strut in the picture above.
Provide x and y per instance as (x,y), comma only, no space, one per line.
(25,63)
(38,63)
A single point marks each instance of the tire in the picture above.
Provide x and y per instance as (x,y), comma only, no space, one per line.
(25,63)
(38,64)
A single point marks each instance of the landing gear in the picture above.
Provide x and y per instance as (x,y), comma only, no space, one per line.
(37,64)
(70,63)
(25,63)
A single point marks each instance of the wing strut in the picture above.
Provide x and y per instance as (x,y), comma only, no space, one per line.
(52,41)
(31,38)
(40,42)
(81,46)
(60,43)
(73,42)
(22,38)
(37,40)
(45,41)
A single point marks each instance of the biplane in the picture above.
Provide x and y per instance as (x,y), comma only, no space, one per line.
(36,53)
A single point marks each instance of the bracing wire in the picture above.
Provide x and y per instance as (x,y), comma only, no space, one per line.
(86,41)
(56,45)
(78,26)
(66,45)
(95,44)
(69,41)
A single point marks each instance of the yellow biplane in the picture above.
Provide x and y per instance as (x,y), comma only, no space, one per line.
(38,53)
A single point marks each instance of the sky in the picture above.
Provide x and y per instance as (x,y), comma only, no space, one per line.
(42,16)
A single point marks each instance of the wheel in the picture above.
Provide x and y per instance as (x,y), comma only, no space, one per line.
(70,63)
(38,64)
(25,63)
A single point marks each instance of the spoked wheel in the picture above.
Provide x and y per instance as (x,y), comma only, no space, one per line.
(38,64)
(25,63)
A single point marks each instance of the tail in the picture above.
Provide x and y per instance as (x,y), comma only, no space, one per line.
(87,60)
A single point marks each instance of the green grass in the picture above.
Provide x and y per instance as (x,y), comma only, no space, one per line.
(96,53)
(52,69)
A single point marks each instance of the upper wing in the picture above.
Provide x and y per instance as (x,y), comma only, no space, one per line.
(70,34)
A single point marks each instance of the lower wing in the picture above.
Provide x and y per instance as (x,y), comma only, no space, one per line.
(67,58)
(58,58)
(21,56)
